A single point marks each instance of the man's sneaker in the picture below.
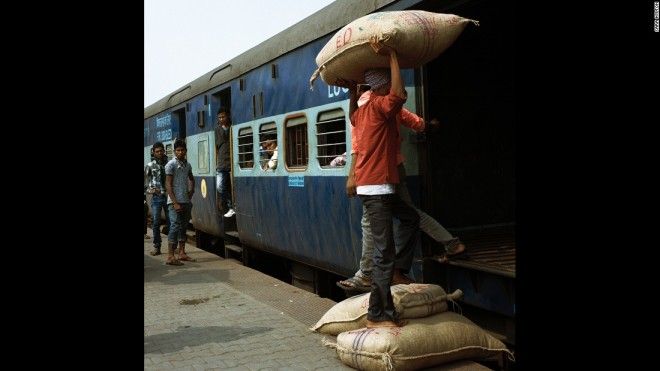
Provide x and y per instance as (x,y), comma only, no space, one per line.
(230,213)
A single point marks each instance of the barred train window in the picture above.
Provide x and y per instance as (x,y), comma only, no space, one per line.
(267,144)
(296,143)
(331,138)
(245,150)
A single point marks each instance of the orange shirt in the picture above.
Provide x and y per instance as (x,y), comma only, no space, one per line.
(404,117)
(376,140)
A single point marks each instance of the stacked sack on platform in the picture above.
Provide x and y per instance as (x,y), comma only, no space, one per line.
(410,301)
(417,36)
(432,336)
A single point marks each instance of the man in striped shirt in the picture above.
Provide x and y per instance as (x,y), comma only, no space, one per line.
(154,174)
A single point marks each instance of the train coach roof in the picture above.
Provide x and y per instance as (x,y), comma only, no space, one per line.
(325,21)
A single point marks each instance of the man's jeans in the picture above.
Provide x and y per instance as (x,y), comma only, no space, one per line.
(223,187)
(179,222)
(380,209)
(158,203)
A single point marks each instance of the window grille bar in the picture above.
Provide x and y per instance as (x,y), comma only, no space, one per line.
(331,132)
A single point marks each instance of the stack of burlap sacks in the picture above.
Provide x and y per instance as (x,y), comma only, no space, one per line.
(432,336)
(417,36)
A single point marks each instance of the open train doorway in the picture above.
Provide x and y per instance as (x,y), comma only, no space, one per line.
(222,99)
(470,176)
(469,180)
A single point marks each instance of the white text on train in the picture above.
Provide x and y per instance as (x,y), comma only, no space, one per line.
(333,91)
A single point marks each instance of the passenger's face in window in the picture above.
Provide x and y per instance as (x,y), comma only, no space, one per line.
(222,118)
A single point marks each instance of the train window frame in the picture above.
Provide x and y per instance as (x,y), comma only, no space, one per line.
(203,160)
(295,131)
(245,152)
(333,119)
(267,131)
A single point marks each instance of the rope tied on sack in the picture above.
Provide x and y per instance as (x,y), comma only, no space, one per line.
(387,360)
(328,343)
(451,298)
(386,357)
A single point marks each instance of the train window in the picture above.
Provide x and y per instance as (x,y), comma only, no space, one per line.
(203,156)
(200,118)
(296,143)
(267,144)
(331,138)
(245,150)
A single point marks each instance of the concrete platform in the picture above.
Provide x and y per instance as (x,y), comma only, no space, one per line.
(216,313)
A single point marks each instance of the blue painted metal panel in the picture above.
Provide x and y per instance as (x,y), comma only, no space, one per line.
(192,121)
(315,223)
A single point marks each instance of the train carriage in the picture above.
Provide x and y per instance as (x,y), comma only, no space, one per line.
(298,211)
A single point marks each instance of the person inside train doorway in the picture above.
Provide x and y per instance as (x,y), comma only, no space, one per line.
(376,177)
(223,164)
(154,174)
(180,186)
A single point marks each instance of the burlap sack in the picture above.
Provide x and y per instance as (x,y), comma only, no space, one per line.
(416,35)
(410,301)
(423,342)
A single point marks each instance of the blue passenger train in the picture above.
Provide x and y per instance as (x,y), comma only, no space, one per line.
(463,175)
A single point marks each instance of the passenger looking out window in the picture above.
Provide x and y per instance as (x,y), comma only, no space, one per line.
(271,151)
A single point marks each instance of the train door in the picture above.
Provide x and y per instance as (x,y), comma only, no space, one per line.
(469,183)
(469,88)
(222,98)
